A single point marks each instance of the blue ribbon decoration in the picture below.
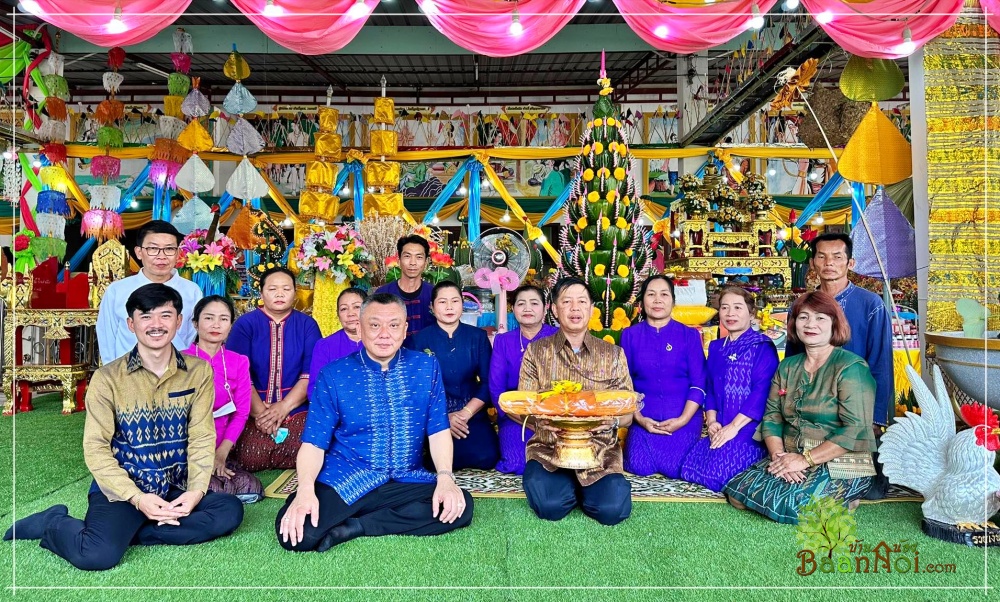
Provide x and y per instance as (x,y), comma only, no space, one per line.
(449,190)
(820,199)
(224,202)
(475,200)
(137,184)
(559,202)
(857,202)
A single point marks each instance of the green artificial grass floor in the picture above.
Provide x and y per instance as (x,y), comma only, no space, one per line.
(682,545)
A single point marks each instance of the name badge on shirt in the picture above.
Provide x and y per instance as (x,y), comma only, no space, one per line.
(225,410)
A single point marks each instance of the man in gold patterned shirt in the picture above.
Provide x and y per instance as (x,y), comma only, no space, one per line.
(576,355)
(149,442)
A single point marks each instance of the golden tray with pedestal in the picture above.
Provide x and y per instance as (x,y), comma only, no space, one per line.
(575,413)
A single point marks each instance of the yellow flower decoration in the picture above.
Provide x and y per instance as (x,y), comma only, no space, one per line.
(270,265)
(588,174)
(613,147)
(618,313)
(590,124)
(621,224)
(604,171)
(605,223)
(586,149)
(598,148)
(606,91)
(197,261)
(622,150)
(612,194)
(626,201)
(581,223)
(619,173)
(598,122)
(628,252)
(599,270)
(261,268)
(561,387)
(612,121)
(609,339)
(589,246)
(613,295)
(623,271)
(595,320)
(345,260)
(593,196)
(212,262)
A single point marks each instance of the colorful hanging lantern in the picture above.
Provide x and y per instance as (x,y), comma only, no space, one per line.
(51,212)
(102,221)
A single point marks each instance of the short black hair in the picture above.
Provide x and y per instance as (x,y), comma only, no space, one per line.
(278,269)
(564,283)
(148,297)
(833,237)
(157,226)
(383,299)
(352,290)
(413,239)
(528,288)
(440,286)
(645,285)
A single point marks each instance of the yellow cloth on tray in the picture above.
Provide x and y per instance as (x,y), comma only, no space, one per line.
(382,174)
(322,205)
(384,143)
(328,119)
(385,110)
(320,174)
(329,146)
(387,203)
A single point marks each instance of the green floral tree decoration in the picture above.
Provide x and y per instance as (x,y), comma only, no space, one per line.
(601,241)
(826,527)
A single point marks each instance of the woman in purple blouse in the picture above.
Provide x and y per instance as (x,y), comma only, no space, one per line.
(505,367)
(213,319)
(667,364)
(740,368)
(345,341)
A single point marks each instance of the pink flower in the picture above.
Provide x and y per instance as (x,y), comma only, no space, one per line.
(507,278)
(190,244)
(323,263)
(213,249)
(336,245)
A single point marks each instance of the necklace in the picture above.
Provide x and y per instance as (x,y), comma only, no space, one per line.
(225,372)
(520,340)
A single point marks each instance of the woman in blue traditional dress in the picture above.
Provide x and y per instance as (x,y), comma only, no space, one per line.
(667,364)
(817,425)
(463,351)
(740,368)
(505,369)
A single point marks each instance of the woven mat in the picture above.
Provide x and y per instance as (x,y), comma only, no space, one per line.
(492,484)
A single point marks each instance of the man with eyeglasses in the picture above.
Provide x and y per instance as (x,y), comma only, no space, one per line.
(156,250)
(360,466)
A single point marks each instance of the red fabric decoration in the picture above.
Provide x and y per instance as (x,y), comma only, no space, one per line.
(54,152)
(182,62)
(116,58)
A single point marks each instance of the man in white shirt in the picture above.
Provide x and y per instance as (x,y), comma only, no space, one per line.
(156,249)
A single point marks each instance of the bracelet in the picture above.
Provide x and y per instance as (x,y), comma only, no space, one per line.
(809,458)
(471,413)
(448,474)
(135,500)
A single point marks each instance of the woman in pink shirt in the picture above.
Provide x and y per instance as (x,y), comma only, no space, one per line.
(213,318)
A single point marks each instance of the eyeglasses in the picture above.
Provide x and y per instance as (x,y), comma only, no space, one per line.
(155,251)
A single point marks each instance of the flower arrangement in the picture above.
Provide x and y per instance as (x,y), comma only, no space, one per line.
(729,215)
(760,202)
(722,195)
(694,203)
(754,184)
(209,264)
(689,183)
(339,253)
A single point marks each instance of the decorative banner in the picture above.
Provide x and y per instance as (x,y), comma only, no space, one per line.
(89,19)
(309,26)
(688,29)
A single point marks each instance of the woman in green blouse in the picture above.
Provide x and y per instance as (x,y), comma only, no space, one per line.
(817,423)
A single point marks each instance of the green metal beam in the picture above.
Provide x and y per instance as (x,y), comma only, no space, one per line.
(378,40)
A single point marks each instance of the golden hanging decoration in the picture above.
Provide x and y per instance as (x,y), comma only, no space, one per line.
(236,67)
(871,80)
(877,153)
(794,84)
(195,137)
(241,232)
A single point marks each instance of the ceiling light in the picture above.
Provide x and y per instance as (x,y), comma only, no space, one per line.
(134,204)
(818,220)
(675,234)
(516,28)
(772,172)
(116,25)
(782,234)
(31,6)
(273,10)
(435,220)
(661,32)
(506,217)
(36,163)
(907,47)
(462,190)
(736,168)
(287,222)
(542,240)
(357,11)
(814,176)
(824,17)
(429,7)
(757,20)
(791,4)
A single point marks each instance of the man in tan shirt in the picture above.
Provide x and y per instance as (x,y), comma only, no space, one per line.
(574,354)
(149,441)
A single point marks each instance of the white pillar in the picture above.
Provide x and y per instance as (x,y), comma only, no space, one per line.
(921,206)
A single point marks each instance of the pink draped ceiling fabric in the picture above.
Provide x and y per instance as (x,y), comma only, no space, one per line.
(875,29)
(310,26)
(88,19)
(992,10)
(687,29)
(484,26)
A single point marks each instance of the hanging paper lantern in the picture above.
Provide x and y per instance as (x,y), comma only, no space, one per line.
(246,182)
(109,136)
(195,138)
(56,108)
(53,131)
(51,211)
(194,214)
(178,84)
(239,100)
(113,81)
(54,152)
(171,127)
(244,139)
(102,220)
(116,58)
(106,168)
(109,111)
(181,61)
(196,104)
(877,153)
(195,176)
